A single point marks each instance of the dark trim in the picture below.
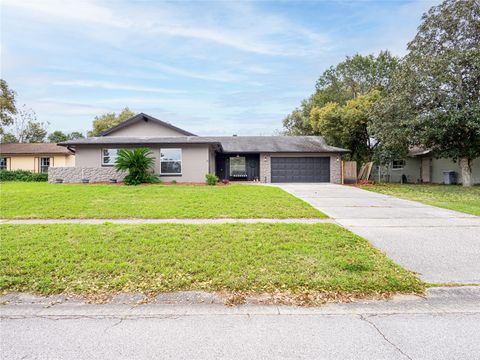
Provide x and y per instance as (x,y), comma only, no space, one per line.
(172,175)
(145,117)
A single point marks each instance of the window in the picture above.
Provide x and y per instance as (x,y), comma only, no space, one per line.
(398,164)
(238,167)
(170,161)
(44,164)
(109,157)
(3,163)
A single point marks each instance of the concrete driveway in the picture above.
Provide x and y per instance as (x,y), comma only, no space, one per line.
(442,246)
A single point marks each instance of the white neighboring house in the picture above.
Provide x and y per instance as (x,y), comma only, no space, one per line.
(421,166)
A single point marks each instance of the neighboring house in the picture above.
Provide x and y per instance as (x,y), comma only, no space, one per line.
(421,166)
(36,157)
(184,157)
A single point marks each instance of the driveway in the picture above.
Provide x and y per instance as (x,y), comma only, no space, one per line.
(442,246)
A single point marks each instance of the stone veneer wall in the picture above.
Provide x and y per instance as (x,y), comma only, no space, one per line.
(76,174)
(335,167)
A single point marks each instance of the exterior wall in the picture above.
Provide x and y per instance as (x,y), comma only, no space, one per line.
(23,163)
(411,170)
(438,166)
(76,174)
(335,165)
(145,128)
(211,161)
(30,162)
(195,160)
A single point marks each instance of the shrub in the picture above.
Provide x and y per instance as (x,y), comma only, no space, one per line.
(22,175)
(174,181)
(138,162)
(212,179)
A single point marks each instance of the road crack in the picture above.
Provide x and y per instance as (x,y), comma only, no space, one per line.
(362,317)
(114,325)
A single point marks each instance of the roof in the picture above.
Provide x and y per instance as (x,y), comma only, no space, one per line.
(33,149)
(140,140)
(234,144)
(229,144)
(143,116)
(418,151)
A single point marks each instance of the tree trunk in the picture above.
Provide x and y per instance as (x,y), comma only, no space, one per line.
(466,167)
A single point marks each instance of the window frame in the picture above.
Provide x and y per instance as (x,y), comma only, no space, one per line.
(41,165)
(6,163)
(402,161)
(104,156)
(238,176)
(167,161)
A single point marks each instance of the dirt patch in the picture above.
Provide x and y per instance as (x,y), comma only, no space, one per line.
(193,297)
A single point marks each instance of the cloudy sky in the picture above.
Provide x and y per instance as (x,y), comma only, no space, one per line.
(209,67)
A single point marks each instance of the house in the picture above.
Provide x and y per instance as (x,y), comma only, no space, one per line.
(36,157)
(421,166)
(184,157)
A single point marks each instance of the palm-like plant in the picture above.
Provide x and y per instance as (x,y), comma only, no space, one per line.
(138,163)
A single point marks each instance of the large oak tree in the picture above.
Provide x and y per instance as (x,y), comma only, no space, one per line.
(435,100)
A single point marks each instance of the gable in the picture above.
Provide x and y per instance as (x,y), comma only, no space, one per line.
(145,125)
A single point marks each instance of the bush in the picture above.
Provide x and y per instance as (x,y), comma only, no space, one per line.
(138,163)
(22,175)
(212,179)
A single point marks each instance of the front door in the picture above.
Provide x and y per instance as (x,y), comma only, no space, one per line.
(425,170)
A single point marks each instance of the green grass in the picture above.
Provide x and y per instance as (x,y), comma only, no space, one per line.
(453,197)
(253,258)
(55,201)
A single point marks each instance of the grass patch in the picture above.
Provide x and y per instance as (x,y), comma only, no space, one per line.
(54,201)
(453,197)
(253,258)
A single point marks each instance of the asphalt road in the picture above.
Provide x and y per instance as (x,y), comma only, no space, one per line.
(440,245)
(444,325)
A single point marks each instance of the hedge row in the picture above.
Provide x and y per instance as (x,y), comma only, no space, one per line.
(22,175)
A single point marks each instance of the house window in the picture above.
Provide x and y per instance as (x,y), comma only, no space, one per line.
(44,164)
(109,157)
(238,167)
(3,163)
(170,161)
(398,164)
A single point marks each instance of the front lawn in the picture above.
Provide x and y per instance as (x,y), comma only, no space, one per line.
(253,258)
(453,197)
(56,201)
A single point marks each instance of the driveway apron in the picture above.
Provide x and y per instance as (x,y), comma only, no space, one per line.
(441,246)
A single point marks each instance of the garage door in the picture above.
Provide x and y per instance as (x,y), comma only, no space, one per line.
(300,169)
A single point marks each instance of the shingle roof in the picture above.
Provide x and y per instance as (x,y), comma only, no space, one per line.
(418,151)
(33,149)
(235,144)
(143,116)
(141,140)
(230,144)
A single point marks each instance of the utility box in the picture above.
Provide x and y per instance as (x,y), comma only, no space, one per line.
(449,177)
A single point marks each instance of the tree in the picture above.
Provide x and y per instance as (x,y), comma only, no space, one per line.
(25,128)
(108,120)
(138,162)
(75,135)
(353,86)
(8,107)
(8,138)
(434,102)
(347,125)
(57,136)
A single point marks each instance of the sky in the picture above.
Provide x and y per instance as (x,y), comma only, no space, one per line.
(212,68)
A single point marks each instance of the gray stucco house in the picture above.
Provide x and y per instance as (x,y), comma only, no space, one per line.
(185,157)
(421,166)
